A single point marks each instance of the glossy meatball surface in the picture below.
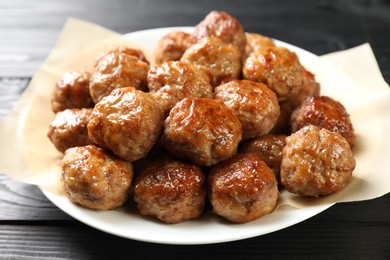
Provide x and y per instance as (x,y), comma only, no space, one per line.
(95,179)
(170,190)
(316,162)
(128,122)
(325,112)
(203,130)
(123,49)
(222,25)
(277,67)
(72,91)
(255,105)
(255,42)
(172,46)
(221,61)
(269,147)
(173,81)
(242,188)
(69,128)
(117,70)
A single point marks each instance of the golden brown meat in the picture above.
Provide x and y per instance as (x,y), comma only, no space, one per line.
(316,162)
(278,68)
(269,147)
(170,190)
(117,70)
(173,81)
(69,128)
(255,42)
(72,91)
(222,25)
(255,105)
(242,188)
(324,112)
(172,46)
(220,60)
(123,49)
(95,179)
(202,130)
(128,122)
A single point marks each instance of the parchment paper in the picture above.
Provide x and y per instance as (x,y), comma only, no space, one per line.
(27,155)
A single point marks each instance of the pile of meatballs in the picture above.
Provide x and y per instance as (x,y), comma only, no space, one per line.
(224,120)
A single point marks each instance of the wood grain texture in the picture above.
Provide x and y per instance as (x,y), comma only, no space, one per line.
(31,227)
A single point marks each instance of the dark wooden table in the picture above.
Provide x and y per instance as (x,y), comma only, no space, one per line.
(31,227)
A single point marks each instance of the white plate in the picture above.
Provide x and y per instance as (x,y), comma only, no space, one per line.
(209,228)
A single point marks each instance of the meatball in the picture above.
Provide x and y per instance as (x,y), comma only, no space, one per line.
(202,130)
(255,42)
(172,46)
(242,188)
(269,147)
(117,70)
(95,179)
(72,91)
(173,81)
(278,68)
(123,49)
(324,112)
(310,88)
(221,61)
(222,25)
(69,128)
(170,190)
(128,122)
(316,162)
(255,105)
(282,125)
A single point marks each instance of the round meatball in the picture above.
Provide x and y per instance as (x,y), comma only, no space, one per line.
(123,49)
(173,81)
(203,130)
(269,147)
(255,105)
(278,68)
(117,70)
(171,191)
(310,88)
(95,179)
(324,112)
(221,61)
(224,26)
(128,122)
(69,128)
(316,162)
(255,42)
(242,188)
(72,91)
(172,46)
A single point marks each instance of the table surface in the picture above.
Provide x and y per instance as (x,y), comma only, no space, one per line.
(31,227)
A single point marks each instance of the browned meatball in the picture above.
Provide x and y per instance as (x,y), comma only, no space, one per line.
(316,162)
(255,42)
(224,26)
(278,68)
(172,46)
(72,91)
(310,88)
(242,188)
(117,70)
(221,61)
(255,105)
(203,130)
(169,190)
(324,112)
(282,125)
(95,179)
(128,122)
(173,81)
(123,49)
(69,128)
(269,147)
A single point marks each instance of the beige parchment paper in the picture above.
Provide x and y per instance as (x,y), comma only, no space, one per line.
(26,154)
